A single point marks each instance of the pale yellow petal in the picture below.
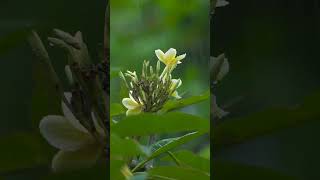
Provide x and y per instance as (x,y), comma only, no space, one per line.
(179,58)
(176,95)
(71,160)
(170,54)
(60,133)
(135,111)
(160,55)
(130,103)
(71,118)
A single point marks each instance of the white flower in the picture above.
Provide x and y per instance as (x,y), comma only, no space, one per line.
(78,148)
(132,105)
(175,84)
(169,58)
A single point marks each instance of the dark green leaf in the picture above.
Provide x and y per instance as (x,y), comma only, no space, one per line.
(149,124)
(124,147)
(189,159)
(166,145)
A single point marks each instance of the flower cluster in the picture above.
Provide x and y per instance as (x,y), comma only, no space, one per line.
(150,91)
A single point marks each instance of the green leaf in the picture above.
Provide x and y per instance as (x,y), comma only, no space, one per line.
(116,109)
(177,173)
(177,104)
(115,169)
(168,144)
(238,130)
(149,124)
(231,171)
(140,176)
(124,147)
(205,152)
(189,159)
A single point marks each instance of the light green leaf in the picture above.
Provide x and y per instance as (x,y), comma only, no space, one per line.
(116,109)
(177,173)
(149,124)
(166,145)
(177,104)
(124,147)
(191,160)
(205,152)
(115,169)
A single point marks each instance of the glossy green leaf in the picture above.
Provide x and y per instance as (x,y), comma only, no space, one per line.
(189,159)
(124,147)
(149,124)
(167,145)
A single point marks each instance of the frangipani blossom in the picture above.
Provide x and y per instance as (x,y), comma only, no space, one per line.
(78,148)
(175,84)
(169,58)
(132,105)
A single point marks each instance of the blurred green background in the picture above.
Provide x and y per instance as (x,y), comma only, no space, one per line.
(26,95)
(273,50)
(139,27)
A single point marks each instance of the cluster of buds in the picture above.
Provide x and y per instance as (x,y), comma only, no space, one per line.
(150,91)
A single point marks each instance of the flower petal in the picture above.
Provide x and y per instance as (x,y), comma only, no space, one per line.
(59,132)
(160,55)
(71,118)
(82,158)
(176,95)
(170,54)
(135,111)
(179,58)
(129,103)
